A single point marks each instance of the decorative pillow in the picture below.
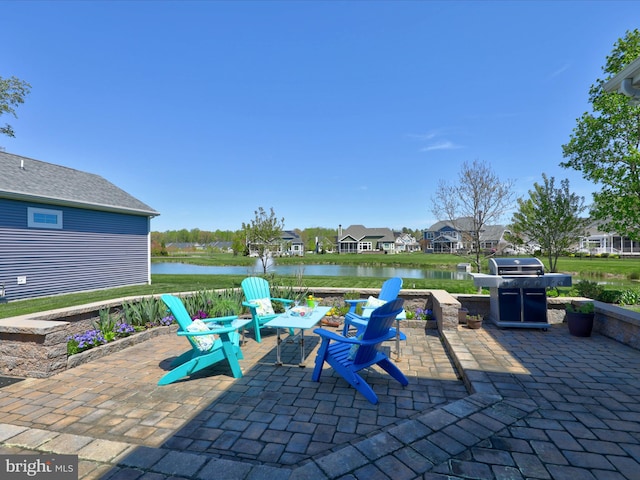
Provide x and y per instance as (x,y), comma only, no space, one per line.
(203,342)
(373,302)
(264,306)
(354,348)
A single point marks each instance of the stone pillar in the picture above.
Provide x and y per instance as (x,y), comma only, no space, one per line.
(445,309)
(33,348)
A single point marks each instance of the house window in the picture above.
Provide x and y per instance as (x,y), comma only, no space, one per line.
(43,218)
(365,246)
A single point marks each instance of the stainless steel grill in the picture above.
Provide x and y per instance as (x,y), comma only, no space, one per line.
(518,291)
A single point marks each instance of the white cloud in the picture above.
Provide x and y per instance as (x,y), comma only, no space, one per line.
(435,140)
(562,69)
(441,145)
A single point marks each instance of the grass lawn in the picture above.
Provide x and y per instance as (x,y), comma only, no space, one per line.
(626,270)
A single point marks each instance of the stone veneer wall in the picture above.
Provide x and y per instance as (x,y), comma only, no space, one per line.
(618,323)
(36,345)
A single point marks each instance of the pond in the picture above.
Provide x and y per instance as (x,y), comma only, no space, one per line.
(311,270)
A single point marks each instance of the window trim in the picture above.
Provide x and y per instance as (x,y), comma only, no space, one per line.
(33,213)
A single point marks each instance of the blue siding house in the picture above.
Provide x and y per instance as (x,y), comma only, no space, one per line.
(64,231)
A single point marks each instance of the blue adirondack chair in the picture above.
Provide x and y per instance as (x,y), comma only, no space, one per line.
(349,355)
(389,291)
(258,299)
(225,347)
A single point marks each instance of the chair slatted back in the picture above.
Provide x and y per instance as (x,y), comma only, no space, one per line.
(379,324)
(390,289)
(179,312)
(255,288)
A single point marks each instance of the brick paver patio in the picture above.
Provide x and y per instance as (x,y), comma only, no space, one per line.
(540,405)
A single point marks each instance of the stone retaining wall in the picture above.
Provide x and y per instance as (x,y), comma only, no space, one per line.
(36,345)
(618,323)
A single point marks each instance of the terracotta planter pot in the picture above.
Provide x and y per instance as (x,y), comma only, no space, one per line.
(580,324)
(474,323)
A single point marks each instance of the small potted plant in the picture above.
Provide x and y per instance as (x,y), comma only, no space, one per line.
(474,321)
(579,317)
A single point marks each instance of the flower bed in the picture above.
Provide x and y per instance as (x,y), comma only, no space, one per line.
(117,345)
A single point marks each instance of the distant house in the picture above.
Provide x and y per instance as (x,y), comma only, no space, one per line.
(217,246)
(452,237)
(220,246)
(64,230)
(598,242)
(359,239)
(406,242)
(289,243)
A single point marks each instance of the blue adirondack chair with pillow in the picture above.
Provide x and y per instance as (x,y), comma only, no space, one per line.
(389,291)
(212,340)
(258,299)
(349,355)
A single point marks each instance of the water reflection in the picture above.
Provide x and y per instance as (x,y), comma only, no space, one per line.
(311,270)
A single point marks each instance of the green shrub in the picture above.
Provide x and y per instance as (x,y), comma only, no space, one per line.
(200,301)
(610,296)
(132,314)
(629,297)
(225,303)
(106,325)
(354,296)
(589,289)
(585,307)
(144,313)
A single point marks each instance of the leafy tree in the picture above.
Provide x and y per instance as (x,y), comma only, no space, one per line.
(604,147)
(550,217)
(12,93)
(239,244)
(263,234)
(479,198)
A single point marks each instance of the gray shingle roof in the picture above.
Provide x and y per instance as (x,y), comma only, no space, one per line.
(358,232)
(23,178)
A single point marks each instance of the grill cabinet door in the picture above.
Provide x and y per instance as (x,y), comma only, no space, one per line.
(535,305)
(510,304)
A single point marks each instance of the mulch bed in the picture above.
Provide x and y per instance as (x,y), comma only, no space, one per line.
(4,381)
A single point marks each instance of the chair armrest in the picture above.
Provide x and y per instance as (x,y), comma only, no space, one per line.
(251,306)
(283,300)
(334,336)
(339,338)
(355,301)
(232,327)
(228,319)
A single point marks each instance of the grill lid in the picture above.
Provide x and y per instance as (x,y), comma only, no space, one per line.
(515,266)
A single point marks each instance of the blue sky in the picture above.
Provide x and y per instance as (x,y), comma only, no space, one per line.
(331,112)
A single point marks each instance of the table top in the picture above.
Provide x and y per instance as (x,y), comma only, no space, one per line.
(288,321)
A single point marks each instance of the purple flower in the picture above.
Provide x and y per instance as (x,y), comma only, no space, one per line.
(124,329)
(88,339)
(424,314)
